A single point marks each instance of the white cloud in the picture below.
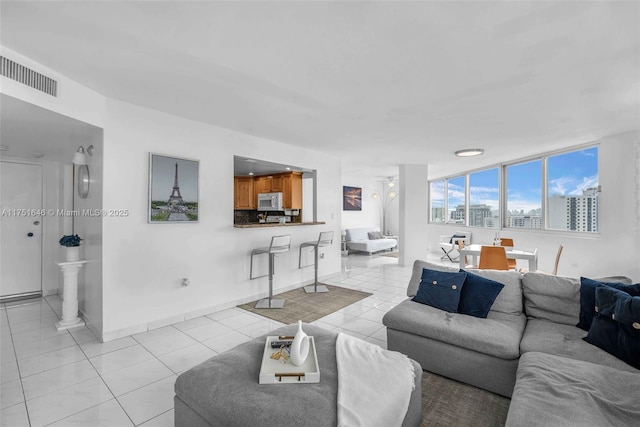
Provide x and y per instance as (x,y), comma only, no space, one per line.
(571,186)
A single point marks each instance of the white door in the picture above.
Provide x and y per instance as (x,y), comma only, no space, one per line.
(21,228)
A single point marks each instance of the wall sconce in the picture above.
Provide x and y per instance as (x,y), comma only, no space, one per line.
(80,160)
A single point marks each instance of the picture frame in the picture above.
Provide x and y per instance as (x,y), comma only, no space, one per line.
(351,198)
(173,189)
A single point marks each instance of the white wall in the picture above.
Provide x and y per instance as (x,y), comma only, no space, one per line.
(144,263)
(413,213)
(73,99)
(89,227)
(615,250)
(371,213)
(76,101)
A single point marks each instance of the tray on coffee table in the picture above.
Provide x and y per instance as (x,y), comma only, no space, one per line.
(274,371)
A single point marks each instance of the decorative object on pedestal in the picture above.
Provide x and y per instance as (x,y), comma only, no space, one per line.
(72,243)
(70,317)
(299,346)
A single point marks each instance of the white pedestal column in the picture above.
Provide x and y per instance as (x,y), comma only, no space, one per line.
(70,317)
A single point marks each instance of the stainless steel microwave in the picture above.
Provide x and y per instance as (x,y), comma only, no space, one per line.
(270,202)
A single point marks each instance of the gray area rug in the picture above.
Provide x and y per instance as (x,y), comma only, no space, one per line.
(446,402)
(300,305)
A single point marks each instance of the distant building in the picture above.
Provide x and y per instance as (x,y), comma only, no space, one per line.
(524,221)
(479,215)
(457,216)
(575,213)
(437,214)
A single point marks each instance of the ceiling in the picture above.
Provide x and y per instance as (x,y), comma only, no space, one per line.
(376,83)
(28,131)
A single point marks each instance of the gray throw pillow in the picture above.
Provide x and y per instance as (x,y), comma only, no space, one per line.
(375,235)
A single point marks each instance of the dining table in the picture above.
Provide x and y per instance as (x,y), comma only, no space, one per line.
(473,251)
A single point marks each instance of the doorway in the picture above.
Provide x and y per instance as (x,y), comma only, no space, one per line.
(21,204)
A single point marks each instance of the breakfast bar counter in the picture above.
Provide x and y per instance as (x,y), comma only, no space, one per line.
(276,224)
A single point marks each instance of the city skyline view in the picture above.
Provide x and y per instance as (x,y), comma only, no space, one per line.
(568,174)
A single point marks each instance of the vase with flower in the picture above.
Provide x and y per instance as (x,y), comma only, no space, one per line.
(72,245)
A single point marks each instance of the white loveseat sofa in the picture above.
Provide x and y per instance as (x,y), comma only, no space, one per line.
(358,239)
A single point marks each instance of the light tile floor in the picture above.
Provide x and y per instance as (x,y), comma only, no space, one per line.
(69,378)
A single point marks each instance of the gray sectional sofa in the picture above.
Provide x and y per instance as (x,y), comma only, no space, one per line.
(529,332)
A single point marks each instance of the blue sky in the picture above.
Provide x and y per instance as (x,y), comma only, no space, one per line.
(569,174)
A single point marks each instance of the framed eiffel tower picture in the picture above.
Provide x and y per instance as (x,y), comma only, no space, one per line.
(173,189)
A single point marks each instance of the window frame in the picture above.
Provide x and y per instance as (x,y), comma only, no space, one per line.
(502,192)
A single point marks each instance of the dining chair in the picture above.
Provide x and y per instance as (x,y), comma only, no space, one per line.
(555,266)
(493,258)
(513,264)
(449,246)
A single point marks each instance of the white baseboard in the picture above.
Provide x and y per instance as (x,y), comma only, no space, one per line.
(121,333)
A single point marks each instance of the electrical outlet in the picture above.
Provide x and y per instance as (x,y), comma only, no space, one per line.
(322,255)
(185,282)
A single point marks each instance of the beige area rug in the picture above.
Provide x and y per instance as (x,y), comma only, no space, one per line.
(300,305)
(446,402)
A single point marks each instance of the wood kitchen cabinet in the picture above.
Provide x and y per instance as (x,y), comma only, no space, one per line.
(270,183)
(244,196)
(292,190)
(277,183)
(287,183)
(262,184)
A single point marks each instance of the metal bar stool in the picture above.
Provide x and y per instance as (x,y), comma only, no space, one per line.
(279,244)
(325,239)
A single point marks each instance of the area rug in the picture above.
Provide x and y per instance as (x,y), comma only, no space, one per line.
(446,402)
(300,305)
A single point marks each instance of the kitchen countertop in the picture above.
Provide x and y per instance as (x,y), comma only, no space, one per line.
(276,224)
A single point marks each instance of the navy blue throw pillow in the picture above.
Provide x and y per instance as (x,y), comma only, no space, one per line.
(588,298)
(440,289)
(616,327)
(478,295)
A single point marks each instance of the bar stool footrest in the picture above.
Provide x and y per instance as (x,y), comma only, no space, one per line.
(270,303)
(312,289)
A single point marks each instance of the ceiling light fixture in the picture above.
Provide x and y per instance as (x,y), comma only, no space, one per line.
(469,152)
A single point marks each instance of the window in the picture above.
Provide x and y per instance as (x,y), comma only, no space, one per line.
(436,193)
(553,192)
(524,195)
(572,191)
(456,190)
(484,198)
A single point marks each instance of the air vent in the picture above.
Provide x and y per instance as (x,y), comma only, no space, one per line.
(27,76)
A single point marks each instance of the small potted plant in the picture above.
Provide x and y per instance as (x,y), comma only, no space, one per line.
(72,243)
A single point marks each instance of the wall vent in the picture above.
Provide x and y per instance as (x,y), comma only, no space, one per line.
(27,76)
